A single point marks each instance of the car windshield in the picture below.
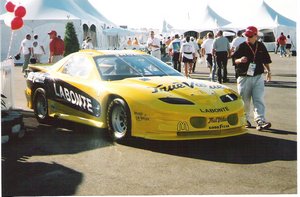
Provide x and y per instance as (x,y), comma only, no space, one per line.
(117,67)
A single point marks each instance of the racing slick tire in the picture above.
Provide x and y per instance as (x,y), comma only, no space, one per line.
(40,106)
(118,120)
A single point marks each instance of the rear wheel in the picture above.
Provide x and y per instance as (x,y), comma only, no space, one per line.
(41,106)
(119,120)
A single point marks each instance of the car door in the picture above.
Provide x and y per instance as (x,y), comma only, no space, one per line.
(75,94)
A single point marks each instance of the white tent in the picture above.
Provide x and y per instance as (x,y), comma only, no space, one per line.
(205,19)
(45,15)
(268,21)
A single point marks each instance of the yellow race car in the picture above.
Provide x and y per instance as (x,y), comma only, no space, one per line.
(133,94)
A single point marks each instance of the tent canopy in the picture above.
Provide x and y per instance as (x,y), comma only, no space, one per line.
(43,16)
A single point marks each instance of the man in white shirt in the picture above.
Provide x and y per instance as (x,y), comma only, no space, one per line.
(206,51)
(38,48)
(26,49)
(235,43)
(174,51)
(153,44)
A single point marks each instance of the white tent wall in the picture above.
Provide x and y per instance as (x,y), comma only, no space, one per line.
(33,27)
(45,15)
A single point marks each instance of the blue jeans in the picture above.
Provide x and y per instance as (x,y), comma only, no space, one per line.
(253,88)
(282,50)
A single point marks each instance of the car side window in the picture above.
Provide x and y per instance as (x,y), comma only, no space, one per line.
(77,66)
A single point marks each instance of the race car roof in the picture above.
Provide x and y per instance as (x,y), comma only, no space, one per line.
(112,52)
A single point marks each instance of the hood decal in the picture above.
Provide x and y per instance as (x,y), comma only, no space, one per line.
(180,85)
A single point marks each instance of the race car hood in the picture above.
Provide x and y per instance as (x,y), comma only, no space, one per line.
(178,89)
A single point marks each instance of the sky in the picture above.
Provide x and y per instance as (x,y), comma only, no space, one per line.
(150,14)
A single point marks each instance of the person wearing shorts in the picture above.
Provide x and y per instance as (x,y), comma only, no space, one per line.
(187,56)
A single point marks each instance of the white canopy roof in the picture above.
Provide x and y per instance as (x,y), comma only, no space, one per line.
(43,16)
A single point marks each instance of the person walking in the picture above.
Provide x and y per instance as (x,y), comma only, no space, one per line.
(206,51)
(282,42)
(38,49)
(252,59)
(221,51)
(153,44)
(197,52)
(187,56)
(26,50)
(56,46)
(174,51)
(288,45)
(235,43)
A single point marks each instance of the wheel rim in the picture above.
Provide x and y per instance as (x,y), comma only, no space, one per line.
(41,106)
(119,121)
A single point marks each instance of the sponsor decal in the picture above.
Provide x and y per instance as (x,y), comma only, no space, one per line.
(73,97)
(182,126)
(217,119)
(140,116)
(215,110)
(221,126)
(177,85)
(216,87)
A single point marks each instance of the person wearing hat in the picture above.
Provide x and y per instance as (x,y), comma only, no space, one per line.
(252,60)
(38,48)
(26,50)
(56,46)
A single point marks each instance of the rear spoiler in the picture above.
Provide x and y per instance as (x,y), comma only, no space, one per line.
(39,67)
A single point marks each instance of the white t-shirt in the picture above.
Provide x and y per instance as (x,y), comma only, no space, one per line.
(175,45)
(154,41)
(208,45)
(87,45)
(187,50)
(37,47)
(26,44)
(237,41)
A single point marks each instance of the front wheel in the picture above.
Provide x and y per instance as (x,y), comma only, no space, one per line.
(119,120)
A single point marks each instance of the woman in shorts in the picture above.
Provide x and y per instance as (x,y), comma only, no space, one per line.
(187,56)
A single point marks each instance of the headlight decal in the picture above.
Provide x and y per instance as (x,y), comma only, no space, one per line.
(228,98)
(176,101)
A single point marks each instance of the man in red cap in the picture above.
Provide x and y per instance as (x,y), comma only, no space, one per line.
(252,59)
(56,46)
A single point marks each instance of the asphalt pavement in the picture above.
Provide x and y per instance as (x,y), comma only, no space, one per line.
(71,159)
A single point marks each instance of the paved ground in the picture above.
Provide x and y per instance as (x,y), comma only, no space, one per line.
(69,159)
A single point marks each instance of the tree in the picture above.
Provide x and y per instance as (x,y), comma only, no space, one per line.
(71,40)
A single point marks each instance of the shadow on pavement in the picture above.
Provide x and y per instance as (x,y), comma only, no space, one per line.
(39,179)
(281,84)
(244,149)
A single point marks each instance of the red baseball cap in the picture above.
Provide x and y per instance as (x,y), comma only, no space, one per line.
(52,32)
(251,31)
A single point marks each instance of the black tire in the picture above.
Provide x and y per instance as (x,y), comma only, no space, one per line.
(40,106)
(119,120)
